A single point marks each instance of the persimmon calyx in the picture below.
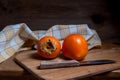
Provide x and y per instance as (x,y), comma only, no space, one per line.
(48,47)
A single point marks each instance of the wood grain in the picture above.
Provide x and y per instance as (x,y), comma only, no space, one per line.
(10,68)
(30,61)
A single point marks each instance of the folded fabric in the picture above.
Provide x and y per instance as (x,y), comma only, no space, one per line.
(12,37)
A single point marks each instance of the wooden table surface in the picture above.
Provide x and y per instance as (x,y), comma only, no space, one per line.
(10,68)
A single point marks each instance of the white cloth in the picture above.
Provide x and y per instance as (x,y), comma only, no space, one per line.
(12,37)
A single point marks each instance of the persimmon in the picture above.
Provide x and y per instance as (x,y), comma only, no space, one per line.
(48,47)
(75,47)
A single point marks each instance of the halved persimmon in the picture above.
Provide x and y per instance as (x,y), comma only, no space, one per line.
(48,47)
(75,47)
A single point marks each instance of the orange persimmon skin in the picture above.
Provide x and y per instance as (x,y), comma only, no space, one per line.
(54,52)
(75,47)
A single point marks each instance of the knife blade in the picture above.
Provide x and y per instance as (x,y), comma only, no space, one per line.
(72,63)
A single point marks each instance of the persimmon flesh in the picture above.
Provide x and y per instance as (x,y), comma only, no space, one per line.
(48,47)
(75,47)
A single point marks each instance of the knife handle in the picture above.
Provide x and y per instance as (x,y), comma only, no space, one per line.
(96,62)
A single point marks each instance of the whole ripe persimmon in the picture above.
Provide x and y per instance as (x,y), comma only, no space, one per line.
(75,47)
(48,47)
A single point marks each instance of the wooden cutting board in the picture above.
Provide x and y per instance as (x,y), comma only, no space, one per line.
(30,61)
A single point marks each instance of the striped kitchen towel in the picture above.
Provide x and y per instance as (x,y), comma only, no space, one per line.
(12,37)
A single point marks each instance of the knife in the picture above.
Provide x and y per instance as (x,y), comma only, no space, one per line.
(72,63)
